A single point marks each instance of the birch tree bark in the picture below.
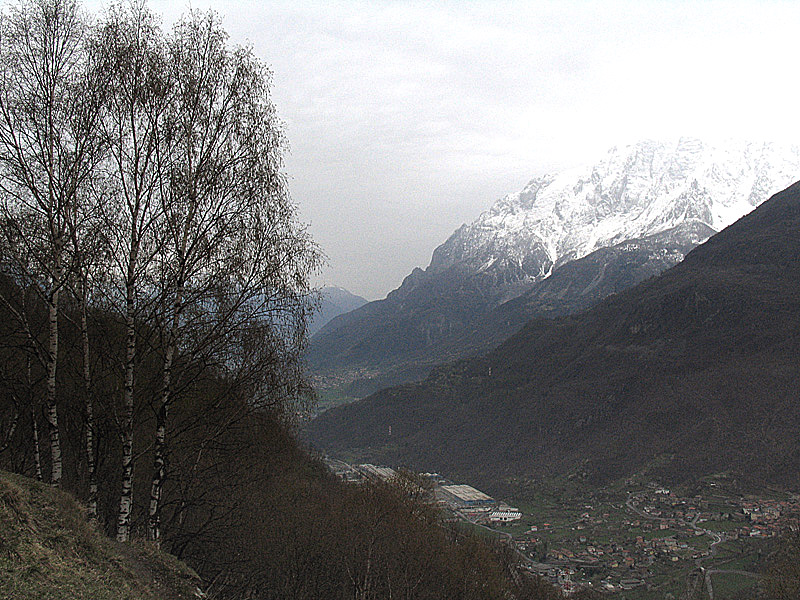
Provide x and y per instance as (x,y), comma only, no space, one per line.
(52,410)
(37,456)
(91,459)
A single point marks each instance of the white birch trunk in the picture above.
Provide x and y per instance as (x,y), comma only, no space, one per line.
(159,468)
(52,410)
(126,495)
(159,459)
(37,457)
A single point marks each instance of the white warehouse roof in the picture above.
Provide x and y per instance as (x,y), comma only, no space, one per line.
(467,493)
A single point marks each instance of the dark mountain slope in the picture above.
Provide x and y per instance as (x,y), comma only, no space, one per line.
(422,310)
(690,373)
(576,286)
(391,341)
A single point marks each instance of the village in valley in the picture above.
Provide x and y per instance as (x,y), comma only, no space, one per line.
(636,540)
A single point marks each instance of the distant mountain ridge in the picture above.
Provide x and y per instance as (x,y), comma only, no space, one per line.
(576,286)
(633,193)
(334,301)
(691,373)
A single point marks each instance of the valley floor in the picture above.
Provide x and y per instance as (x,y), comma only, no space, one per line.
(635,540)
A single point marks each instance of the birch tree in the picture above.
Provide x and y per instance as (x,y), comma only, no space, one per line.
(134,126)
(48,147)
(89,244)
(233,257)
(89,247)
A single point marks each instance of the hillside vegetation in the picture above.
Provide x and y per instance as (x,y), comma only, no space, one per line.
(252,512)
(287,530)
(49,551)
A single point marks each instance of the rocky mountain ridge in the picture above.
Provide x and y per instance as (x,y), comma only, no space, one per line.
(633,192)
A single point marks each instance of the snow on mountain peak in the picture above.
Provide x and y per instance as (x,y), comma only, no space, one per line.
(632,192)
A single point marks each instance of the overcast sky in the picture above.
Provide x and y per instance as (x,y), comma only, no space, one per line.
(406,119)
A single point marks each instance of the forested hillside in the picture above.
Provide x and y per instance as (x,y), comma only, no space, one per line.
(243,505)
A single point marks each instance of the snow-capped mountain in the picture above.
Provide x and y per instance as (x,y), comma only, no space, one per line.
(559,245)
(633,192)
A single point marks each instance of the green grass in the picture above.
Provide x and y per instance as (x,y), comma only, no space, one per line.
(719,525)
(658,534)
(720,507)
(748,562)
(733,585)
(331,397)
(48,551)
(674,584)
(742,556)
(538,511)
(517,530)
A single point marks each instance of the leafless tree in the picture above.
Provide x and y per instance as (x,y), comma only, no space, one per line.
(91,258)
(134,127)
(234,261)
(48,146)
(154,163)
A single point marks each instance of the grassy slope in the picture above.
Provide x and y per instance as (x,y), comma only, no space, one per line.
(49,551)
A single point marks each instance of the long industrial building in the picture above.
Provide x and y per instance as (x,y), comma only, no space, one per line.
(377,473)
(465,496)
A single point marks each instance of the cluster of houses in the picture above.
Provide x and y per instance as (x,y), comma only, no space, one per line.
(753,517)
(623,565)
(671,530)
